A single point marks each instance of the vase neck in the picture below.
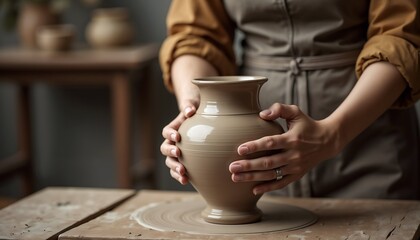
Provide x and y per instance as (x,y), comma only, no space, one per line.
(231,98)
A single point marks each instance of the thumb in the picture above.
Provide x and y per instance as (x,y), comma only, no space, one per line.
(277,110)
(189,111)
(188,108)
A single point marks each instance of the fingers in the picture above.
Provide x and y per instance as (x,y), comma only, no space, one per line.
(264,174)
(189,111)
(170,131)
(188,107)
(260,164)
(305,144)
(290,113)
(274,142)
(254,176)
(169,149)
(283,141)
(263,169)
(277,110)
(181,179)
(274,185)
(175,165)
(290,173)
(177,170)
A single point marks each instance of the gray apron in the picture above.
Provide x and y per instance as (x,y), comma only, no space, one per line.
(308,50)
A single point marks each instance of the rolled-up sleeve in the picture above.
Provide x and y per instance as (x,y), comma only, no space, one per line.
(201,28)
(394,36)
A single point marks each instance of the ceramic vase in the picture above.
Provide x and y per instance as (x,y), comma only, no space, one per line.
(110,28)
(56,38)
(228,116)
(31,17)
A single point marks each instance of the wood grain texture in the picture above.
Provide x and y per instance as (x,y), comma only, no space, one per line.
(47,213)
(338,219)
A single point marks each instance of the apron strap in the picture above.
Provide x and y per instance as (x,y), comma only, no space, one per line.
(301,63)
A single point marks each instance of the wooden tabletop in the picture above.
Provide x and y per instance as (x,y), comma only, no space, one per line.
(46,214)
(54,210)
(77,59)
(338,219)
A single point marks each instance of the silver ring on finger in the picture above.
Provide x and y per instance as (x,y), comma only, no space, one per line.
(279,174)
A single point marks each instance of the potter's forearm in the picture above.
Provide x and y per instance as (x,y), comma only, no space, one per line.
(376,90)
(184,69)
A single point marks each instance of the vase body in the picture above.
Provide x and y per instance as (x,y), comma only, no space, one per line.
(31,17)
(228,116)
(109,28)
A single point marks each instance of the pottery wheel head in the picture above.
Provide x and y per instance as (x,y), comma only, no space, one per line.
(185,216)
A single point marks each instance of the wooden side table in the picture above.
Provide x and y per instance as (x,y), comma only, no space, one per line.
(112,67)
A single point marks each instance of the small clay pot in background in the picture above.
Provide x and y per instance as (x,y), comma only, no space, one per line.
(32,16)
(56,37)
(109,28)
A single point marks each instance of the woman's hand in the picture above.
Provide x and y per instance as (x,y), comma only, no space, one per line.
(308,142)
(170,150)
(184,69)
(304,145)
(171,135)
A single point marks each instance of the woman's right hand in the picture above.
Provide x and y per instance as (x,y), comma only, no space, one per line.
(170,150)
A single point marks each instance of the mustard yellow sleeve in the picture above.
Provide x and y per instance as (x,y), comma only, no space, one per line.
(201,28)
(394,36)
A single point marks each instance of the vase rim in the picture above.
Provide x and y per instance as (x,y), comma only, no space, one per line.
(228,79)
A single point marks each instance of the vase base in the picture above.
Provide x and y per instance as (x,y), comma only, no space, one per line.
(218,216)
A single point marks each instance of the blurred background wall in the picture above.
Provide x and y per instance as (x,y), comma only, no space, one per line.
(72,128)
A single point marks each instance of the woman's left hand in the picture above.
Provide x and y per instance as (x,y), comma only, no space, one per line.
(304,145)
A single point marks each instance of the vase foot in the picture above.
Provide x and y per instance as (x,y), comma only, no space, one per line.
(218,216)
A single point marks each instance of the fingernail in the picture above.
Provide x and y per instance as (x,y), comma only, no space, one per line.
(237,177)
(173,152)
(180,180)
(187,110)
(266,112)
(257,191)
(243,150)
(173,137)
(235,167)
